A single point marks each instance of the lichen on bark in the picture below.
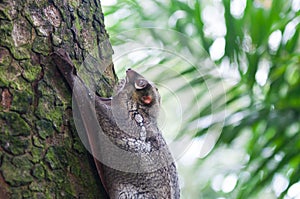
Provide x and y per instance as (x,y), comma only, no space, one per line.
(41,155)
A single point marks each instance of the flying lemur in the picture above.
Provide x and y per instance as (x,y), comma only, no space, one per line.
(134,161)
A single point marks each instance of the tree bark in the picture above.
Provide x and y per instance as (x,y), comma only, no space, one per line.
(41,155)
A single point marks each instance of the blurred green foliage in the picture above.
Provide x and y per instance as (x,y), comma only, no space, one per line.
(262,55)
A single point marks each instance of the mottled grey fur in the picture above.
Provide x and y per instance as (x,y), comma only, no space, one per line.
(129,120)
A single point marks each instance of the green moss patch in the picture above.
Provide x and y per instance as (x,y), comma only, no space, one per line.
(44,128)
(37,154)
(38,171)
(22,101)
(14,145)
(41,45)
(9,73)
(47,107)
(5,58)
(13,124)
(15,175)
(56,157)
(30,72)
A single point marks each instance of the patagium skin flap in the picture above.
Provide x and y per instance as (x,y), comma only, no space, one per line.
(142,165)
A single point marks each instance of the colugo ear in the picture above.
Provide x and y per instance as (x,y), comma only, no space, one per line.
(140,84)
(147,99)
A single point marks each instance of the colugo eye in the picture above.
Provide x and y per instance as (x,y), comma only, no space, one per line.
(140,84)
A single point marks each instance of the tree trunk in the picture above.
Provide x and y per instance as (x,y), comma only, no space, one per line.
(41,155)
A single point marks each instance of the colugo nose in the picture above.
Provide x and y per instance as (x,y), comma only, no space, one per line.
(131,75)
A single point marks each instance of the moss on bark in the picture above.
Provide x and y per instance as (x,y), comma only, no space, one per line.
(41,155)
